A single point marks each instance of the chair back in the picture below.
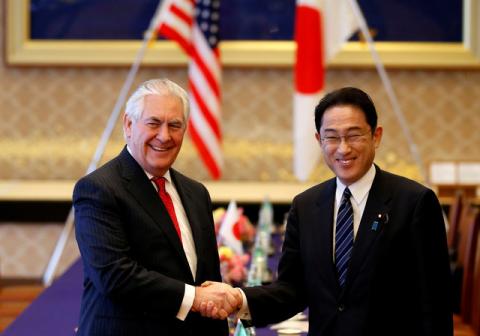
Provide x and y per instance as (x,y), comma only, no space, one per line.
(470,269)
(454,216)
(463,233)
(475,311)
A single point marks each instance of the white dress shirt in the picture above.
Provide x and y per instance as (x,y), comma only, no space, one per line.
(359,190)
(187,242)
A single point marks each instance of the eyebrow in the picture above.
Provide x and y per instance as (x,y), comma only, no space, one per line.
(354,128)
(155,119)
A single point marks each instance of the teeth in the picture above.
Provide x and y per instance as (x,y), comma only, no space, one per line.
(159,149)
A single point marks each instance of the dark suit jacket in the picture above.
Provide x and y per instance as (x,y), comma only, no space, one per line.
(398,281)
(135,268)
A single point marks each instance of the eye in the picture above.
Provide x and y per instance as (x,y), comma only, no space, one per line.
(176,125)
(152,124)
(354,137)
(331,138)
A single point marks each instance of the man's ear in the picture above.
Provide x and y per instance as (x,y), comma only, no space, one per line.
(377,135)
(127,125)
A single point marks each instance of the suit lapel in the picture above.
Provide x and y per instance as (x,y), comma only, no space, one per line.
(144,193)
(323,218)
(371,225)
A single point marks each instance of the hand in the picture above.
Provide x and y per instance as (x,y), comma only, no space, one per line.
(216,300)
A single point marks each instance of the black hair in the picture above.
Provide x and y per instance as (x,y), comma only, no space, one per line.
(347,96)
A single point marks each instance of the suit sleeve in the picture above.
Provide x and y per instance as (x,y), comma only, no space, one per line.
(432,264)
(107,258)
(286,296)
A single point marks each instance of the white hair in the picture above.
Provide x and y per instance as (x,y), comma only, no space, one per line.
(161,87)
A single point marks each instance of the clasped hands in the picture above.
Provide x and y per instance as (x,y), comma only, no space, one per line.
(216,300)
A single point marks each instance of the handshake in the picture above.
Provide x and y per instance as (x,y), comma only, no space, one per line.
(217,300)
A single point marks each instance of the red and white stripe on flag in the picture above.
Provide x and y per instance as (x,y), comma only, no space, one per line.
(321,27)
(194,25)
(309,83)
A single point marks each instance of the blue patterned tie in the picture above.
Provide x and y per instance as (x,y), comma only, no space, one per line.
(344,237)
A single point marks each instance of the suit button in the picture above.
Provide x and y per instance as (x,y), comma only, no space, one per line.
(341,308)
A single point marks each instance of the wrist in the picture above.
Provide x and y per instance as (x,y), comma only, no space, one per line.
(196,300)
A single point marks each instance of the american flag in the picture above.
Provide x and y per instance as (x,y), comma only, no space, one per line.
(194,24)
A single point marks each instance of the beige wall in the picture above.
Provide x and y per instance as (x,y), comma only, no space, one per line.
(52,118)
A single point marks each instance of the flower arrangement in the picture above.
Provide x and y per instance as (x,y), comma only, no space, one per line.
(233,259)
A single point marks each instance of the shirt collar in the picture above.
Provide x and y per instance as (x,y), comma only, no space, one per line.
(360,188)
(166,176)
(150,176)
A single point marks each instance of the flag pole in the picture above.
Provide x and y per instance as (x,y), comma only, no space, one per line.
(388,87)
(102,144)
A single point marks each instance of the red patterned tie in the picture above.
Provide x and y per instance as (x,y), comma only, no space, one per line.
(167,201)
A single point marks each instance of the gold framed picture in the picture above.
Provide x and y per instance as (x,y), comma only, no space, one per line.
(23,51)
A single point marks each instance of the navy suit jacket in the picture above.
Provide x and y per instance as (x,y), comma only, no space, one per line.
(398,281)
(135,268)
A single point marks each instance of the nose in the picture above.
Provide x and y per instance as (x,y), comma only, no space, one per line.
(163,133)
(343,146)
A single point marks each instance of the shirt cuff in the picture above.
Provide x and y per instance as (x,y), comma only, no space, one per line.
(244,312)
(187,302)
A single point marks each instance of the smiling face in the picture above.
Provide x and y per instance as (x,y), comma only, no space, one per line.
(156,137)
(348,159)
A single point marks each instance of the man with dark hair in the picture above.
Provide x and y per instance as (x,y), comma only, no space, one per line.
(365,251)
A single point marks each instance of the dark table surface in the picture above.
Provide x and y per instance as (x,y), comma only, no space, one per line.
(55,312)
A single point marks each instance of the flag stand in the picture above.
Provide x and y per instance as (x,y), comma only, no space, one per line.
(388,87)
(102,144)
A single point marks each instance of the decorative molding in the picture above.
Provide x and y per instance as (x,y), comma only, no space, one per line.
(21,50)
